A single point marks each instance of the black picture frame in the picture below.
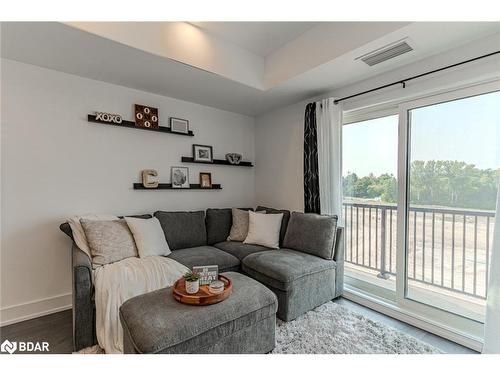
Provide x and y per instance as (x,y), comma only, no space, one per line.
(178,125)
(200,159)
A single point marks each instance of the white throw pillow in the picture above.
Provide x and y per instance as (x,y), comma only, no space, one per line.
(149,237)
(264,229)
(239,228)
(78,232)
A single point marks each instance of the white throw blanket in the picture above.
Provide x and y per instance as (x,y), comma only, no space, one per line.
(117,282)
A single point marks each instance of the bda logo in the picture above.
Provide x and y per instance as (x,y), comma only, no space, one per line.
(8,346)
(24,346)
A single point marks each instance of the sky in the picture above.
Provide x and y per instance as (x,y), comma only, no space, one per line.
(465,130)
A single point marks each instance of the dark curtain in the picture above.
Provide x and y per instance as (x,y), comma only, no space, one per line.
(311,174)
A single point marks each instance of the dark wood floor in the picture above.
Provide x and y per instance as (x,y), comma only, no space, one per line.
(56,329)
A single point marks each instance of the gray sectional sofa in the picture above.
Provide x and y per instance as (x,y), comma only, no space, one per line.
(305,272)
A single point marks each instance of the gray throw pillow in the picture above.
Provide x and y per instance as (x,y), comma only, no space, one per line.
(311,233)
(109,241)
(219,222)
(239,229)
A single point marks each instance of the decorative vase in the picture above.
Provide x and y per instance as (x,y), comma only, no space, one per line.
(192,287)
(233,158)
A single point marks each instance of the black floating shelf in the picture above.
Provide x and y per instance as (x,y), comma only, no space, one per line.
(131,124)
(187,159)
(139,186)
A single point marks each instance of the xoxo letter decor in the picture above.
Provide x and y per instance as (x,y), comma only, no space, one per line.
(108,117)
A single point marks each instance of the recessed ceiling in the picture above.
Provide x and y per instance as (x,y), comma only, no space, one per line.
(182,61)
(261,38)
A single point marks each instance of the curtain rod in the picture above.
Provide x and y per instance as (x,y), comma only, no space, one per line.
(403,81)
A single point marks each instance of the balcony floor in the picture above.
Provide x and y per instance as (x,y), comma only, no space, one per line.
(467,306)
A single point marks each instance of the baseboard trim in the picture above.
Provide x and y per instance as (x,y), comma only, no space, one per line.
(34,309)
(395,312)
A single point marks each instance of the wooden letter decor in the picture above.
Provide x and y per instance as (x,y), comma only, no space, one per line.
(145,178)
(146,117)
(108,117)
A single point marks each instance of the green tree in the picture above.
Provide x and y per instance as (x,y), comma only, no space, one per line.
(448,183)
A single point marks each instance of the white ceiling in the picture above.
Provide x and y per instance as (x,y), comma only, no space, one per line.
(321,65)
(261,38)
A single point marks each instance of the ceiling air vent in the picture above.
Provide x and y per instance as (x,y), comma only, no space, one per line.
(385,53)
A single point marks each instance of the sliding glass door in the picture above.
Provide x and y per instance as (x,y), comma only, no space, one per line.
(370,202)
(420,182)
(452,173)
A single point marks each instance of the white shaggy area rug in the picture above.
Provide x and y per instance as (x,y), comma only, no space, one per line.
(334,329)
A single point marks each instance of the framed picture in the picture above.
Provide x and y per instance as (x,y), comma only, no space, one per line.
(179,125)
(180,177)
(203,153)
(205,180)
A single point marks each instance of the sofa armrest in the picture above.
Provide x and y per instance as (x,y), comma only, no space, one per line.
(83,303)
(338,253)
(338,257)
(80,258)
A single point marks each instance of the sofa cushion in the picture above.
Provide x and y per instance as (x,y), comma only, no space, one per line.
(206,256)
(149,237)
(66,228)
(78,233)
(183,229)
(264,229)
(284,221)
(312,233)
(109,240)
(279,269)
(219,222)
(239,249)
(239,227)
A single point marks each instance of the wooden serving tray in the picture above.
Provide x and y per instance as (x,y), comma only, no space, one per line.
(204,296)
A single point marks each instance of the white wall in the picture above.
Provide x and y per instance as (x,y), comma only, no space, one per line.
(279,147)
(55,164)
(279,134)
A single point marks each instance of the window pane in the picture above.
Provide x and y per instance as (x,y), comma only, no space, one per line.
(454,167)
(370,187)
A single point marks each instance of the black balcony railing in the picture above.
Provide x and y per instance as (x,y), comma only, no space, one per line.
(446,248)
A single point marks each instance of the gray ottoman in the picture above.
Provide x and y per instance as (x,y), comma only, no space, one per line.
(243,323)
